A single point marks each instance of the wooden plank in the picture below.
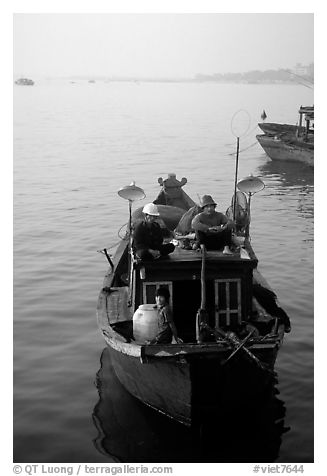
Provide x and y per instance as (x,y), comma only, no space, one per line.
(175,350)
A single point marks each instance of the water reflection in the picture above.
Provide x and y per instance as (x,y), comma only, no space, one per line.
(292,179)
(291,174)
(128,431)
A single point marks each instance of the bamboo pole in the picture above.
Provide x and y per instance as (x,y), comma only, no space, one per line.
(201,317)
(236,172)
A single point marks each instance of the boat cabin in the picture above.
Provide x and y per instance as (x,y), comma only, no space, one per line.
(306,120)
(228,287)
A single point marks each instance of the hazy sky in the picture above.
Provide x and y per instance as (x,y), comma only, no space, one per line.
(170,45)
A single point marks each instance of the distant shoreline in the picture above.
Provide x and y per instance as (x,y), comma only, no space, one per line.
(305,77)
(173,80)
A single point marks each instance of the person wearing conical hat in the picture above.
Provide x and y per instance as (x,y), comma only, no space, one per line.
(212,228)
(148,236)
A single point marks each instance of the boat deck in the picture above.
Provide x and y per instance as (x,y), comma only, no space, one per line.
(181,255)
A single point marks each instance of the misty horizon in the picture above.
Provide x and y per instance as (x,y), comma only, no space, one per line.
(168,77)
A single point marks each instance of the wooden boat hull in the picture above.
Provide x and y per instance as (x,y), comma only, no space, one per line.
(160,385)
(185,388)
(278,149)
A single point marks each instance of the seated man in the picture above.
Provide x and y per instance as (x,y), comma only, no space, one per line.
(213,229)
(148,236)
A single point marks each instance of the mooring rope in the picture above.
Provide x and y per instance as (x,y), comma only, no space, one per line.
(246,148)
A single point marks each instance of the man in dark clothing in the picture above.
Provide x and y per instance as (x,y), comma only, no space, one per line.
(148,236)
(213,229)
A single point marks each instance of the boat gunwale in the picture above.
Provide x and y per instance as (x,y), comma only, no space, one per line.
(132,348)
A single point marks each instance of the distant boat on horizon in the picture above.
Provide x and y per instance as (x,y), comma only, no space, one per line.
(24,82)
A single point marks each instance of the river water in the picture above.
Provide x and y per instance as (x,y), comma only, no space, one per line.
(75,145)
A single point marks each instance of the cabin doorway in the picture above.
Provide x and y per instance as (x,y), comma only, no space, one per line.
(187,301)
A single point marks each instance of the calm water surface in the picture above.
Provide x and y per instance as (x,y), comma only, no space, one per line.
(75,145)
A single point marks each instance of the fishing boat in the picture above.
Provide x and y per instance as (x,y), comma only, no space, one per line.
(228,318)
(288,142)
(24,82)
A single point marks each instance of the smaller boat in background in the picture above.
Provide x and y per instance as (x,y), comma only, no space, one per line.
(290,142)
(24,82)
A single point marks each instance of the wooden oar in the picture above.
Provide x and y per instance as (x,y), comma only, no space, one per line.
(242,343)
(105,252)
(234,341)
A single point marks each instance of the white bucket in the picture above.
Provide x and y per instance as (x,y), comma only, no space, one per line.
(145,323)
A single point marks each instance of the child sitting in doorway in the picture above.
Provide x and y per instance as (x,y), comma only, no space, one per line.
(166,326)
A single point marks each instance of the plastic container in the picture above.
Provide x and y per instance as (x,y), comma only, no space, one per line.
(145,323)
